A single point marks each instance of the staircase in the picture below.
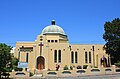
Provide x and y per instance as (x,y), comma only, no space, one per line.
(38,73)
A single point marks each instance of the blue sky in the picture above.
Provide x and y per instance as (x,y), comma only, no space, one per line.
(82,20)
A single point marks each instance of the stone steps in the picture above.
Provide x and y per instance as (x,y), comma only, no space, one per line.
(38,73)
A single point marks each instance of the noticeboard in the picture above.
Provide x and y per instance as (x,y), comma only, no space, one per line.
(22,65)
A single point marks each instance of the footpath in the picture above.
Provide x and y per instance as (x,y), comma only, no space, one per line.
(113,76)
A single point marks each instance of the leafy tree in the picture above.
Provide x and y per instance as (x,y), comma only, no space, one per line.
(5,56)
(7,61)
(112,38)
(14,63)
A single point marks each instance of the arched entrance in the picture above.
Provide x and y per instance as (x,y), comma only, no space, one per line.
(103,61)
(40,63)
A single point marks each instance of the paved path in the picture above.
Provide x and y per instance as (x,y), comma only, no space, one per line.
(115,76)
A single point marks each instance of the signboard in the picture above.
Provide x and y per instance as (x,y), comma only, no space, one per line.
(22,65)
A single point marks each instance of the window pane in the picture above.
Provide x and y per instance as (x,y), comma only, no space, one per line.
(55,56)
(72,57)
(59,56)
(48,40)
(52,41)
(76,58)
(26,57)
(86,60)
(56,41)
(89,57)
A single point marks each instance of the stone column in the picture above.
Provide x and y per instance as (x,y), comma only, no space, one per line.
(13,74)
(74,71)
(113,69)
(44,73)
(88,71)
(59,73)
(102,70)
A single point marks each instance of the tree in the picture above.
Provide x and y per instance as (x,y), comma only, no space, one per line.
(14,63)
(5,57)
(112,38)
(7,61)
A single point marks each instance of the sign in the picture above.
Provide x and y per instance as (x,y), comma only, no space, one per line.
(22,65)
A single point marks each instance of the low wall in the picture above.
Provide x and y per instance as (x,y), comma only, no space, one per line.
(74,72)
(19,74)
(82,72)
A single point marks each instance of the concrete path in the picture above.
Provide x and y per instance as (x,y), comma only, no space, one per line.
(115,76)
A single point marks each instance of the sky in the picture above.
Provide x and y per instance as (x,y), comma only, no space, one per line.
(82,20)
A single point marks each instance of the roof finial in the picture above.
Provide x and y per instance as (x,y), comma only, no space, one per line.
(53,22)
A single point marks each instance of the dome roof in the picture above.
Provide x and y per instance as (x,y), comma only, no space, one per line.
(53,29)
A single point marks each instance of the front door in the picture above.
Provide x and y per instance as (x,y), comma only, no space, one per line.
(40,63)
(103,61)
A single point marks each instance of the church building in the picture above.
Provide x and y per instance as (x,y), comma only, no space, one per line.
(52,48)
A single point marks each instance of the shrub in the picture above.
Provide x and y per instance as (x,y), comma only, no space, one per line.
(91,66)
(18,69)
(71,67)
(85,66)
(66,67)
(31,74)
(95,66)
(79,67)
(48,69)
(117,64)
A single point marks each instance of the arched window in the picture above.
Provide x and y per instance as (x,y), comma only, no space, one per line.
(59,56)
(55,56)
(76,57)
(86,59)
(89,57)
(27,57)
(72,57)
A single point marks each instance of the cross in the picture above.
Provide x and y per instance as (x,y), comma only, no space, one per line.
(41,48)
